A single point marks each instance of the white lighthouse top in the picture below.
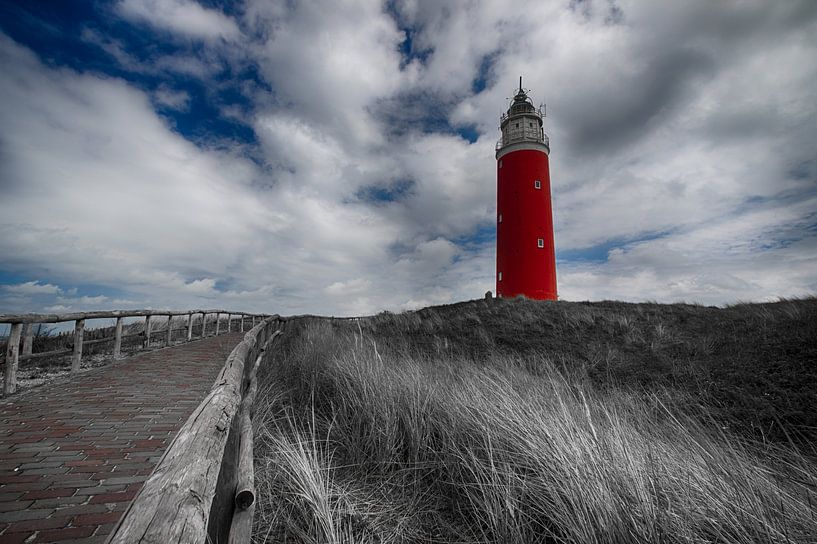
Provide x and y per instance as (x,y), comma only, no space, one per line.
(521,126)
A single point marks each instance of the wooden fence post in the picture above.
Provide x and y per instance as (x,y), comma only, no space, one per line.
(117,339)
(147,331)
(253,321)
(79,331)
(218,322)
(203,323)
(189,327)
(229,322)
(169,339)
(241,329)
(12,358)
(28,338)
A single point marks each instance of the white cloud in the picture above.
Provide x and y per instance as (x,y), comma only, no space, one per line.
(185,17)
(32,288)
(171,98)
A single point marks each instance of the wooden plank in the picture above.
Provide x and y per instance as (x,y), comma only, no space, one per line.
(169,337)
(241,526)
(175,502)
(147,331)
(218,322)
(203,324)
(79,331)
(241,327)
(12,355)
(245,487)
(189,327)
(28,338)
(117,339)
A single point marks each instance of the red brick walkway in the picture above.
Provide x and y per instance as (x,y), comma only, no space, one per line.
(74,454)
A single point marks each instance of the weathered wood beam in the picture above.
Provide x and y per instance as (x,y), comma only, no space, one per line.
(189,327)
(117,340)
(147,331)
(28,338)
(79,331)
(245,488)
(241,526)
(12,355)
(218,322)
(169,337)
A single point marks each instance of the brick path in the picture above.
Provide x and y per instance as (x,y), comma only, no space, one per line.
(74,454)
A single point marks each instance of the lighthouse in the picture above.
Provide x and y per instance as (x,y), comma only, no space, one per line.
(525,253)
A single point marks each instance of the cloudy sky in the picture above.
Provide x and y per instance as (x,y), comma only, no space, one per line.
(338,157)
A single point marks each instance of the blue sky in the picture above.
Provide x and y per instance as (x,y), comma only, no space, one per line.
(337,157)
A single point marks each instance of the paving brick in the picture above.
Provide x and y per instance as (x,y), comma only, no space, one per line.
(83,509)
(23,515)
(14,538)
(58,502)
(14,506)
(41,464)
(39,524)
(90,469)
(71,533)
(96,519)
(86,463)
(41,471)
(27,486)
(101,489)
(128,480)
(50,493)
(16,478)
(124,496)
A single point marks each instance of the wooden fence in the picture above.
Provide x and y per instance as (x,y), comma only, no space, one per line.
(203,489)
(22,328)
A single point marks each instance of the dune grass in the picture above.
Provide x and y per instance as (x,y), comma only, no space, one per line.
(464,424)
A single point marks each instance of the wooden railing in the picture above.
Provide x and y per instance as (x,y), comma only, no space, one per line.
(22,327)
(202,490)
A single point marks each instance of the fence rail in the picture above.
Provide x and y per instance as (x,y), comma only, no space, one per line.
(22,328)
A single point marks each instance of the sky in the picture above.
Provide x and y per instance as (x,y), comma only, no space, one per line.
(338,157)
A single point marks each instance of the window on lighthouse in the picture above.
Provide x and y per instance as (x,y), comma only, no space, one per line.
(499,220)
(540,242)
(499,276)
(537,184)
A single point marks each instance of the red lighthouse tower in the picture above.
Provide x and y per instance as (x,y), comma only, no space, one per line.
(525,254)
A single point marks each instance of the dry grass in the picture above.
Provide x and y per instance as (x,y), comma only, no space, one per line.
(397,429)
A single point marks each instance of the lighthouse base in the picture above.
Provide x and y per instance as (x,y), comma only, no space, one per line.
(533,295)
